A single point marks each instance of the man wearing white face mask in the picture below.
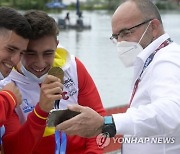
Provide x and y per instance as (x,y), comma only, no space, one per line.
(128,51)
(151,124)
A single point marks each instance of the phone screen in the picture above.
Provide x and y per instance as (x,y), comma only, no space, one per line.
(57,116)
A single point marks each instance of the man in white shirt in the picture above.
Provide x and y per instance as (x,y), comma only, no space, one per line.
(152,122)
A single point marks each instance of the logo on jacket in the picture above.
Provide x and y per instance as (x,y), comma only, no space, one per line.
(26,107)
(70,89)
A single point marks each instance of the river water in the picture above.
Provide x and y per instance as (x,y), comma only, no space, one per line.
(97,52)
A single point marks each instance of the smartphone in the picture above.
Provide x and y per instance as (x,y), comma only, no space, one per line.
(57,116)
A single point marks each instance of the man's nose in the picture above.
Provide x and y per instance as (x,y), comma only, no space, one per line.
(40,61)
(15,58)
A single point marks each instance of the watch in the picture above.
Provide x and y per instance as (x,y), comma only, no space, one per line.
(109,127)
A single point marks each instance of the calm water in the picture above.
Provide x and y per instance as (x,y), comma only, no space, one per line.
(98,53)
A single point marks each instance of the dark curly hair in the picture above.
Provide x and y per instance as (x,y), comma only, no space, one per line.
(11,19)
(41,23)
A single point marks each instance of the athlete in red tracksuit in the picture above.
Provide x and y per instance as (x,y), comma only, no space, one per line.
(32,130)
(26,128)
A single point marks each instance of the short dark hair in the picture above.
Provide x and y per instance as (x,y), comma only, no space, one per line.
(11,19)
(42,24)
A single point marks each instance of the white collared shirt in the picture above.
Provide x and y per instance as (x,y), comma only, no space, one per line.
(155,109)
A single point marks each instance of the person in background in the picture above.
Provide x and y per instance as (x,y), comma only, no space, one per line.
(152,122)
(79,88)
(67,18)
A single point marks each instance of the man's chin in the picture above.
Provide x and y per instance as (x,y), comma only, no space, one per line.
(6,74)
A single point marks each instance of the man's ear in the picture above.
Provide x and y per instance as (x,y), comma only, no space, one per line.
(156,27)
(57,42)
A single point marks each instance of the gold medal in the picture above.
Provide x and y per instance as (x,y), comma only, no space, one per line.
(57,72)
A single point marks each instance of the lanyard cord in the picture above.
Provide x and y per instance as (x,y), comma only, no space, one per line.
(57,140)
(146,64)
(61,142)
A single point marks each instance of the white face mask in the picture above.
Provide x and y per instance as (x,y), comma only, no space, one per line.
(128,51)
(31,76)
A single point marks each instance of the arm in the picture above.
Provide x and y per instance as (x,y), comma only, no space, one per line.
(161,115)
(21,139)
(10,97)
(89,96)
(7,105)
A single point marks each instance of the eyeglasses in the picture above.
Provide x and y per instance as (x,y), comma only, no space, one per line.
(125,32)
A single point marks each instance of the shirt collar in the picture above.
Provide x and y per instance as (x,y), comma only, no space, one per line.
(62,58)
(152,47)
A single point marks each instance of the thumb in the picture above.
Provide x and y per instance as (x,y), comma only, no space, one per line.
(77,108)
(13,83)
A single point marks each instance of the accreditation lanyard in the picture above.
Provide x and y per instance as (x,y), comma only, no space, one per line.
(146,64)
(61,142)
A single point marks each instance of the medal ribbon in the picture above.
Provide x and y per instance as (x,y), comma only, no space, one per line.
(61,142)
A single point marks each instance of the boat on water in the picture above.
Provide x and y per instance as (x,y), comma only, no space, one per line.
(64,23)
(79,24)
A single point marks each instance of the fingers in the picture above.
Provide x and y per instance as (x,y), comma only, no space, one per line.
(12,87)
(51,86)
(9,86)
(86,124)
(50,78)
(51,90)
(77,108)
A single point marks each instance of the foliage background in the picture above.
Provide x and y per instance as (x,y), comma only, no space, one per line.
(88,5)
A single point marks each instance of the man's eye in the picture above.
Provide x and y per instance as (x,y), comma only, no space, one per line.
(10,49)
(48,53)
(125,33)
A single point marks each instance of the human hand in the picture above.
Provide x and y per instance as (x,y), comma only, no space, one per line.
(51,90)
(87,124)
(14,89)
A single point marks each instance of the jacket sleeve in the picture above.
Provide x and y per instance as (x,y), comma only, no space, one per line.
(89,96)
(7,105)
(21,139)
